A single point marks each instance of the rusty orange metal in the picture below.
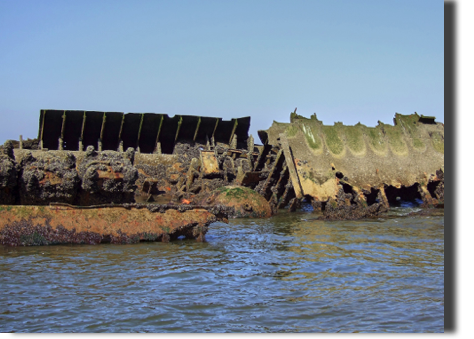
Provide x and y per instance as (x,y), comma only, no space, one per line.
(20,222)
(209,162)
(110,174)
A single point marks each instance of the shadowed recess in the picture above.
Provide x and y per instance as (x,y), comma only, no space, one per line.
(110,137)
(142,130)
(206,129)
(168,133)
(131,124)
(149,131)
(73,129)
(92,127)
(188,127)
(224,130)
(242,131)
(53,121)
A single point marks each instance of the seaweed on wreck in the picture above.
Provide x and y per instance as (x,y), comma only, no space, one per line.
(25,233)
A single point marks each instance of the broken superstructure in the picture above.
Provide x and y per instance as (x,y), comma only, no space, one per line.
(358,171)
(109,160)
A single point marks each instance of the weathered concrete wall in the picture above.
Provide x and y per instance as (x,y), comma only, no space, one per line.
(47,177)
(8,174)
(82,178)
(364,159)
(97,178)
(106,177)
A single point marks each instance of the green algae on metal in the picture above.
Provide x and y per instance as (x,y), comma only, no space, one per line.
(333,141)
(395,139)
(376,138)
(354,138)
(245,201)
(408,123)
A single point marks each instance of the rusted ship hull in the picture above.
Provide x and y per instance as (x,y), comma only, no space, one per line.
(162,169)
(62,224)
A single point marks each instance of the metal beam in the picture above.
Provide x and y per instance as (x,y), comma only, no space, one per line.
(83,125)
(291,166)
(63,125)
(42,125)
(121,127)
(140,129)
(104,118)
(215,127)
(179,126)
(197,129)
(233,130)
(159,130)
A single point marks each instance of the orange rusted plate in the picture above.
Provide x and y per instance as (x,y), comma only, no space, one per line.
(21,225)
(110,174)
(209,162)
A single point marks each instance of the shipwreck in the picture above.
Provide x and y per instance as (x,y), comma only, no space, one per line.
(95,177)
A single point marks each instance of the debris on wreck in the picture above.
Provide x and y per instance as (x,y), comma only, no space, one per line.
(105,161)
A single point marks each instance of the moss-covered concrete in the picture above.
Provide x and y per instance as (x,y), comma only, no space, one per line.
(408,124)
(396,140)
(8,174)
(375,139)
(355,138)
(409,151)
(245,201)
(437,141)
(333,140)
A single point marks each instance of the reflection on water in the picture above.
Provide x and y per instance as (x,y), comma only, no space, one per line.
(290,273)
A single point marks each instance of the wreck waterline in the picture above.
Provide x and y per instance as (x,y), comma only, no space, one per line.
(86,159)
(63,224)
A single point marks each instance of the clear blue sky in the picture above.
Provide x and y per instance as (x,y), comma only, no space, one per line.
(345,60)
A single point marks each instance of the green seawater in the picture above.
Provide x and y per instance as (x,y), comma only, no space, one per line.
(289,273)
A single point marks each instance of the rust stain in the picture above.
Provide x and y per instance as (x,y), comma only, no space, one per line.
(50,178)
(141,171)
(110,174)
(209,162)
(102,222)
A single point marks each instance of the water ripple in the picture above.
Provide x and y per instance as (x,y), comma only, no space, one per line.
(290,273)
